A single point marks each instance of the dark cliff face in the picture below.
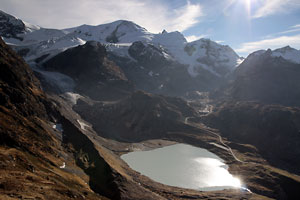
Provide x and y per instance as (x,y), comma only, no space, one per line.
(267,79)
(92,71)
(85,62)
(10,26)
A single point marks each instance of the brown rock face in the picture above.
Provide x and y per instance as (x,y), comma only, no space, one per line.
(30,150)
(20,90)
(20,96)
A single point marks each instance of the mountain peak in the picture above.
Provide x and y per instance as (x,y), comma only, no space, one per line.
(11,26)
(286,48)
(288,53)
(129,26)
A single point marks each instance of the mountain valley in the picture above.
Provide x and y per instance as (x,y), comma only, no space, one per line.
(74,100)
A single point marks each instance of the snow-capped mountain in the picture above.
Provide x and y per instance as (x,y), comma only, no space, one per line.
(120,31)
(288,53)
(118,36)
(218,59)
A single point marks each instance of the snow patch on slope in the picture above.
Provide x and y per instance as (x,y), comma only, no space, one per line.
(288,53)
(30,27)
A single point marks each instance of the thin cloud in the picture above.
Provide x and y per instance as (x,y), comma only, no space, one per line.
(186,17)
(296,26)
(192,38)
(272,43)
(292,29)
(271,7)
(154,15)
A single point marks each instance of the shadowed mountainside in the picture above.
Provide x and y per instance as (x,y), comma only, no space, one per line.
(30,149)
(137,117)
(94,74)
(267,79)
(272,129)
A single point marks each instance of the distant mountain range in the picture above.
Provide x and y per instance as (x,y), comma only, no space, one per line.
(120,37)
(152,62)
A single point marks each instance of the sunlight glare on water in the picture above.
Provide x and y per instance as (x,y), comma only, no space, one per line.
(217,174)
(183,166)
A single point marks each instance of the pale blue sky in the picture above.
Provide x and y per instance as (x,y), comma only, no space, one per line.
(245,25)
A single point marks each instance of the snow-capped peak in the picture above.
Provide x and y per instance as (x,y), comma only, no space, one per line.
(288,53)
(216,58)
(119,36)
(120,31)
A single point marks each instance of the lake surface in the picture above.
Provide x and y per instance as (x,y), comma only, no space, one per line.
(183,166)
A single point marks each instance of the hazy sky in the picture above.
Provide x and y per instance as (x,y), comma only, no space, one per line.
(245,25)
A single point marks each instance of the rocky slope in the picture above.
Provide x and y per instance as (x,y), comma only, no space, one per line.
(138,117)
(155,71)
(30,149)
(268,77)
(260,106)
(272,129)
(44,153)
